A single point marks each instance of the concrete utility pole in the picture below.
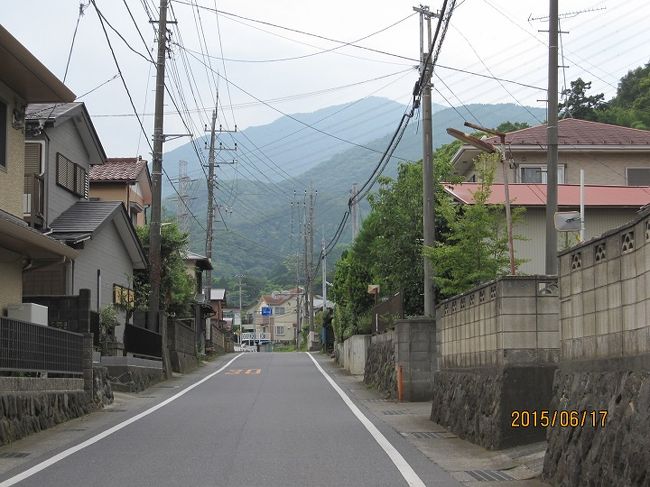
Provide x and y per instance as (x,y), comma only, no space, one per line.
(155,238)
(209,235)
(551,134)
(355,212)
(427,158)
(311,259)
(241,317)
(212,163)
(324,266)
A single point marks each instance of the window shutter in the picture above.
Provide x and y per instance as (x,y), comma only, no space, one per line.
(32,158)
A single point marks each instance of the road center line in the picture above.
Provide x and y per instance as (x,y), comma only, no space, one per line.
(412,479)
(72,450)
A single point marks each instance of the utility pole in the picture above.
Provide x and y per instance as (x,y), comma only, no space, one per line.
(311,259)
(241,317)
(324,266)
(354,213)
(212,163)
(155,238)
(306,261)
(209,233)
(551,134)
(427,158)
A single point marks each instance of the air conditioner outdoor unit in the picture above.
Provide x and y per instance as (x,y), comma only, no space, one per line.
(29,312)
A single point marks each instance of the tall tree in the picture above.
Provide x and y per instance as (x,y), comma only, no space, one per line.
(578,104)
(475,247)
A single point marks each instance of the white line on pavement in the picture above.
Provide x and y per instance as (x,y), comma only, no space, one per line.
(72,450)
(412,479)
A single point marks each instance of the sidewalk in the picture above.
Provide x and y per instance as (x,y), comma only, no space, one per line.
(468,463)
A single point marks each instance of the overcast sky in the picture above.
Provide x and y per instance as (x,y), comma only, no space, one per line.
(491,37)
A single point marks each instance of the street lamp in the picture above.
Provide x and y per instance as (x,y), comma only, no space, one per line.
(490,149)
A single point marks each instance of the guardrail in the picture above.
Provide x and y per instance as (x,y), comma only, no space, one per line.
(27,347)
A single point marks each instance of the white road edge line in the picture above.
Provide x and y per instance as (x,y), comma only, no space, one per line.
(72,450)
(412,478)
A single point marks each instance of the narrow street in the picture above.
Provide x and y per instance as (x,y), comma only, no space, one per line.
(267,419)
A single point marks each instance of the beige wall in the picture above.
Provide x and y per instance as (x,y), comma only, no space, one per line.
(533,228)
(608,169)
(119,192)
(11,287)
(605,309)
(510,320)
(12,176)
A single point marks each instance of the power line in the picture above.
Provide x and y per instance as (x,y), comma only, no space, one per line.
(126,88)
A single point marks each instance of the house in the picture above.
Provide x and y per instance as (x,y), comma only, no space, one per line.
(23,80)
(195,265)
(606,207)
(218,303)
(109,251)
(281,324)
(61,144)
(609,154)
(125,179)
(61,147)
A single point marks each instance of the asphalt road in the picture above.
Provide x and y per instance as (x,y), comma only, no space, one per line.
(266,419)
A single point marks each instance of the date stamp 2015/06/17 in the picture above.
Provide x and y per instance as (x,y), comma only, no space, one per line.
(563,419)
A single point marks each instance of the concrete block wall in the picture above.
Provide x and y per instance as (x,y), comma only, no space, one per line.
(416,356)
(604,301)
(512,320)
(355,350)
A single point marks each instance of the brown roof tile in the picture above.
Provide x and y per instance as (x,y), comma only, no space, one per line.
(572,131)
(118,169)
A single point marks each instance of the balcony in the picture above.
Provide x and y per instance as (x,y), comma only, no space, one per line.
(34,200)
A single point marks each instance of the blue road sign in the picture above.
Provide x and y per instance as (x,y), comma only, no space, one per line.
(267,311)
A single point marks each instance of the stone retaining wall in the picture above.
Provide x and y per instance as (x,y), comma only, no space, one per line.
(498,350)
(132,374)
(619,452)
(380,364)
(29,405)
(477,404)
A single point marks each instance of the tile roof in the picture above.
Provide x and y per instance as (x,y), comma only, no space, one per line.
(568,195)
(572,131)
(118,169)
(275,300)
(83,218)
(50,111)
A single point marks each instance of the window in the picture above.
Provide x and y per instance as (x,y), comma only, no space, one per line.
(537,174)
(638,176)
(278,310)
(123,296)
(71,176)
(279,330)
(3,134)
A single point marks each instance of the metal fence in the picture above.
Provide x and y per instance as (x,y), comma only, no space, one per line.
(143,342)
(27,347)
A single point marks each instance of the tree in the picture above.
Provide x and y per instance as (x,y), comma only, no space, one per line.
(631,105)
(177,287)
(475,247)
(578,104)
(511,126)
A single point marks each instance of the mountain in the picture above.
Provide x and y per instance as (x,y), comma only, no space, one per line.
(290,144)
(263,218)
